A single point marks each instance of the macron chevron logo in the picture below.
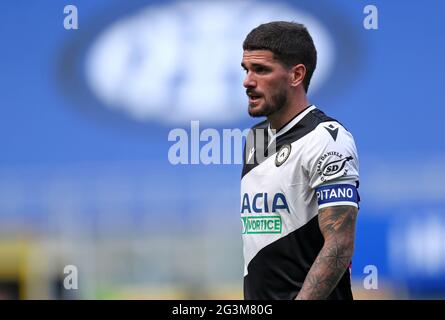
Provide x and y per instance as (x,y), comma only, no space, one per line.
(332,131)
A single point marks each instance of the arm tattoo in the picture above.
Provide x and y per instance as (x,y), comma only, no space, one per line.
(337,224)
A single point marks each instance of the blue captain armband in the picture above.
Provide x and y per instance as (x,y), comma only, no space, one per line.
(337,195)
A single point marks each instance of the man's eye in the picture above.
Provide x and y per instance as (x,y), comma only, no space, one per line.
(260,70)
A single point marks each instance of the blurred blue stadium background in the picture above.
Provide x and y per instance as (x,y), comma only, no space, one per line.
(85,114)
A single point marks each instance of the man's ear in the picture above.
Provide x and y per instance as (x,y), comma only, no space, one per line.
(297,74)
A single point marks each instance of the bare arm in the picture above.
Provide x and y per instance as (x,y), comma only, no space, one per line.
(337,224)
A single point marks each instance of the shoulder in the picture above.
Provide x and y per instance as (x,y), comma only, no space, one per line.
(329,148)
(328,131)
(318,116)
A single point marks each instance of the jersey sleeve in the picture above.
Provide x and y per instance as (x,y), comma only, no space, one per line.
(332,165)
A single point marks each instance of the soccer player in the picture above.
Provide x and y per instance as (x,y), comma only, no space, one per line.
(299,203)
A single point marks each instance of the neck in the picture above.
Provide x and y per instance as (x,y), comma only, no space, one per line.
(278,119)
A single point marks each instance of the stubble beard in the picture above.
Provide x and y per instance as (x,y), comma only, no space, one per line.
(276,103)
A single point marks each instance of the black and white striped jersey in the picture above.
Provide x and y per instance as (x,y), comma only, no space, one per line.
(314,164)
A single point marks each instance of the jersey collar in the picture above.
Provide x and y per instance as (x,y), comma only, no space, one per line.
(290,124)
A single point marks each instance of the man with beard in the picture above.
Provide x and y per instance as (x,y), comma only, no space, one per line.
(299,198)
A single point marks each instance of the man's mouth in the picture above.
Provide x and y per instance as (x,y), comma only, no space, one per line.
(253,97)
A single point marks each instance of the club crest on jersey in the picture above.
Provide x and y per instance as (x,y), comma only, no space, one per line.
(332,163)
(283,154)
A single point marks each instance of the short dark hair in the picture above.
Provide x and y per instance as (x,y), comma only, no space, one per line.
(289,42)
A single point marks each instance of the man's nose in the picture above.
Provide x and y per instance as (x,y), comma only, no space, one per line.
(249,82)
